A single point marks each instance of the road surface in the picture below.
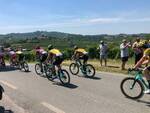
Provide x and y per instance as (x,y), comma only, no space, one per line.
(30,93)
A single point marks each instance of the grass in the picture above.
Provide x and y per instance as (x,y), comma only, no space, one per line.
(112,65)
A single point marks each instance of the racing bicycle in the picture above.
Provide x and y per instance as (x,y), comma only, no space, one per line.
(134,87)
(87,69)
(60,74)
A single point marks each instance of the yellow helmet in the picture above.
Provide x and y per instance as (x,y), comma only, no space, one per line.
(142,43)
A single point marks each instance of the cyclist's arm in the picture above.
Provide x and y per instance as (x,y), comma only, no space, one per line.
(139,63)
(146,62)
(48,58)
(74,55)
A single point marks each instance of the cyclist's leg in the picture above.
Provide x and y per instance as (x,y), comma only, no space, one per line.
(147,74)
(85,59)
(13,58)
(41,62)
(79,60)
(43,59)
(21,57)
(58,62)
(54,63)
(3,61)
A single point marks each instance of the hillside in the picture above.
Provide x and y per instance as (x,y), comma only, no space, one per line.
(67,35)
(63,40)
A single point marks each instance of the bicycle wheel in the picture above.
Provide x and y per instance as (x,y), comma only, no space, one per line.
(90,70)
(48,73)
(74,68)
(64,77)
(1,92)
(132,88)
(38,69)
(26,66)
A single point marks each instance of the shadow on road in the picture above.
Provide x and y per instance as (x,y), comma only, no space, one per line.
(2,110)
(145,102)
(7,68)
(25,71)
(93,78)
(71,86)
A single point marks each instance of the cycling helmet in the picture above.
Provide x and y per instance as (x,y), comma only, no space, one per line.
(143,44)
(75,47)
(124,40)
(37,47)
(101,41)
(50,46)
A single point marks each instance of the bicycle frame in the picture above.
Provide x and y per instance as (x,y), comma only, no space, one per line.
(139,76)
(80,65)
(78,62)
(50,66)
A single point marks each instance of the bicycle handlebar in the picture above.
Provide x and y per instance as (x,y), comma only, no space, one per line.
(137,69)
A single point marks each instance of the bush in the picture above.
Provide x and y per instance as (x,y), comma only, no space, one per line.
(68,53)
(114,53)
(93,52)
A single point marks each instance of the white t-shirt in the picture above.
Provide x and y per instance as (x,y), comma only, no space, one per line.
(124,50)
(103,49)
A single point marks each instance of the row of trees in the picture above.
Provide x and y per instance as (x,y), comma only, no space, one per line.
(113,53)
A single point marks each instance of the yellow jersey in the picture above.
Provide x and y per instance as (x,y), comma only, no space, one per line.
(80,50)
(147,52)
(55,52)
(19,52)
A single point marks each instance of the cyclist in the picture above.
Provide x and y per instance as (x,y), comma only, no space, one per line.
(145,60)
(12,55)
(80,54)
(20,54)
(55,57)
(2,61)
(41,55)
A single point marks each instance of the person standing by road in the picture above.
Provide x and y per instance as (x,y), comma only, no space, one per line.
(103,53)
(124,48)
(137,50)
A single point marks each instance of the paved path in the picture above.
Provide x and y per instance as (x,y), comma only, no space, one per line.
(29,93)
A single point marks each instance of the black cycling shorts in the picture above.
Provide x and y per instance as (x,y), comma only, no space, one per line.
(148,68)
(58,60)
(20,57)
(84,58)
(43,57)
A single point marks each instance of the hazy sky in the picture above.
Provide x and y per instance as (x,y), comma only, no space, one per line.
(75,16)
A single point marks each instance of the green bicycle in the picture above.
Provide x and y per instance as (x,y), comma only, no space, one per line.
(87,69)
(40,68)
(61,74)
(134,87)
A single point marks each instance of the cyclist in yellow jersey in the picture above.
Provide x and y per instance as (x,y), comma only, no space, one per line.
(145,60)
(20,54)
(81,54)
(55,57)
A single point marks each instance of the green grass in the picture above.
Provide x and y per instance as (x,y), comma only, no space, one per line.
(112,65)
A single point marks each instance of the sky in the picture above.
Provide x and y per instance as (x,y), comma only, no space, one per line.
(75,16)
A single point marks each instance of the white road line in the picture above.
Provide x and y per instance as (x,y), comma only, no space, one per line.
(52,108)
(8,84)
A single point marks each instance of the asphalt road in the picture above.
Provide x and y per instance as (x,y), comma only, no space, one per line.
(30,93)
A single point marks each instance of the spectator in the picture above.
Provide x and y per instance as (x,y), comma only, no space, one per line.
(124,48)
(103,53)
(137,51)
